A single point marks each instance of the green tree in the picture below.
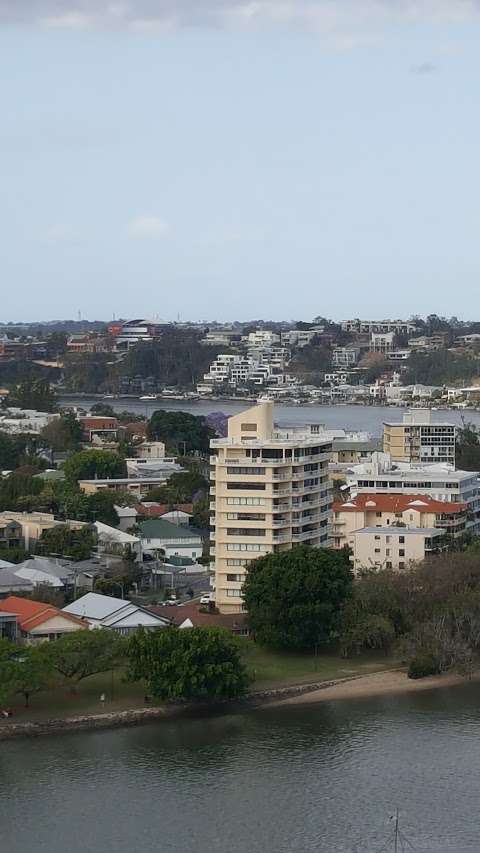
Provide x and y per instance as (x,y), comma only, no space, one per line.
(10,451)
(467,451)
(180,431)
(64,433)
(24,670)
(201,513)
(102,410)
(194,663)
(83,653)
(94,464)
(295,598)
(181,488)
(33,394)
(18,491)
(74,544)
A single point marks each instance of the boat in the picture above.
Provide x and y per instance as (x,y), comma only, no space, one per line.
(149,397)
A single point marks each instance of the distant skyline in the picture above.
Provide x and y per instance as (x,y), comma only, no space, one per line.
(277,159)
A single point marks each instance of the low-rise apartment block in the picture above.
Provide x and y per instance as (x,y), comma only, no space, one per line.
(417,438)
(394,547)
(441,482)
(383,510)
(269,491)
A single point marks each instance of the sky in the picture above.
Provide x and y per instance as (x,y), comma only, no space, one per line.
(239,159)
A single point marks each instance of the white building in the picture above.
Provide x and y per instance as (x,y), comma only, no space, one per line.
(18,421)
(173,539)
(393,547)
(345,356)
(382,342)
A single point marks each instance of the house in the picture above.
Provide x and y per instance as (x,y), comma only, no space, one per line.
(127,517)
(26,527)
(41,571)
(394,547)
(194,616)
(384,510)
(152,509)
(99,428)
(111,540)
(10,582)
(138,486)
(117,614)
(38,622)
(158,534)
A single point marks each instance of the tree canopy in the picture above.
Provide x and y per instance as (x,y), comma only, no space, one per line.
(33,394)
(295,598)
(193,663)
(62,434)
(83,653)
(181,431)
(94,464)
(75,544)
(467,451)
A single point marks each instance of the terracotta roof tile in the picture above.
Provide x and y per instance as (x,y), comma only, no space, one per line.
(398,503)
(33,613)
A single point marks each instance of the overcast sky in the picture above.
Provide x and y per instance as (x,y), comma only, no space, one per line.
(239,158)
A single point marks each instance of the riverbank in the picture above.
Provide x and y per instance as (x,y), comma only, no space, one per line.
(391,682)
(355,687)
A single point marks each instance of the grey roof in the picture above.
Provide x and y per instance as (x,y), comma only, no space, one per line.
(96,606)
(369,445)
(9,580)
(58,568)
(158,528)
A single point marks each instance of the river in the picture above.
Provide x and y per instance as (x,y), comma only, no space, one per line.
(304,779)
(365,418)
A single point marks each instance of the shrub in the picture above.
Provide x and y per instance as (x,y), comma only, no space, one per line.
(422,665)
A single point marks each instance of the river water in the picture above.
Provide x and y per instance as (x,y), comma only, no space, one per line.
(364,418)
(297,779)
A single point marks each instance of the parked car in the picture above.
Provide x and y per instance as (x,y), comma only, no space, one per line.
(205,598)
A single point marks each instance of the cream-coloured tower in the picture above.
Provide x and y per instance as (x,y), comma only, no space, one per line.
(269,491)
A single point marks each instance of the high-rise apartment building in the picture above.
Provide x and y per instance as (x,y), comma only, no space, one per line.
(270,491)
(419,439)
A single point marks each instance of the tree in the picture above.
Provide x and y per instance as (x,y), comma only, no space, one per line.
(467,451)
(102,410)
(64,433)
(193,663)
(75,544)
(83,653)
(201,513)
(94,464)
(10,451)
(33,394)
(23,669)
(181,431)
(295,598)
(18,491)
(181,488)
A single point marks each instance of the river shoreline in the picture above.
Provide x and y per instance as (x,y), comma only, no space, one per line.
(385,683)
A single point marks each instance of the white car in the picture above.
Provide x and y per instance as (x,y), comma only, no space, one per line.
(205,599)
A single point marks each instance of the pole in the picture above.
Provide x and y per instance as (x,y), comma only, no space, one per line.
(396,832)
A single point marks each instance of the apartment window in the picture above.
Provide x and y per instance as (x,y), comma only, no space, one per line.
(401,539)
(248,427)
(260,487)
(234,578)
(246,531)
(250,516)
(246,501)
(377,550)
(401,565)
(377,537)
(387,552)
(378,514)
(389,565)
(242,546)
(234,593)
(236,562)
(244,470)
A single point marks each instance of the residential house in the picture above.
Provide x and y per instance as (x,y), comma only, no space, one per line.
(10,582)
(99,429)
(45,571)
(174,540)
(116,614)
(112,540)
(138,486)
(38,621)
(29,526)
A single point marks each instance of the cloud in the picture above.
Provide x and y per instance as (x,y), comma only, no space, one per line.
(423,68)
(147,226)
(342,19)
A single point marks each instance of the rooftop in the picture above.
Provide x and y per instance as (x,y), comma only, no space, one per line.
(158,528)
(397,503)
(402,531)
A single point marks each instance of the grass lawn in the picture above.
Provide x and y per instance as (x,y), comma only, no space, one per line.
(272,669)
(269,669)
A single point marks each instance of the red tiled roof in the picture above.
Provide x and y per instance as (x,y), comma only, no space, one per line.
(179,614)
(156,510)
(98,422)
(32,613)
(398,503)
